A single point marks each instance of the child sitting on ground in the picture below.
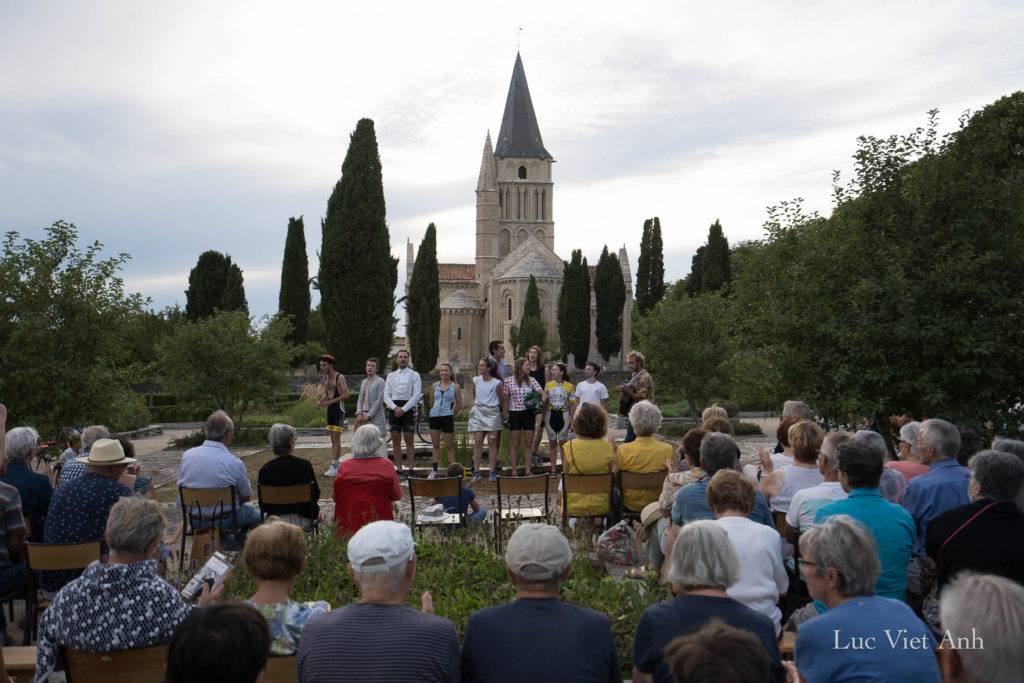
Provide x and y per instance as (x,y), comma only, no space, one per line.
(451,503)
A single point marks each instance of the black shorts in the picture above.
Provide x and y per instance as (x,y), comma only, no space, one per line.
(444,423)
(404,425)
(335,418)
(522,420)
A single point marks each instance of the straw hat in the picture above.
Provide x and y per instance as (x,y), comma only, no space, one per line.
(106,452)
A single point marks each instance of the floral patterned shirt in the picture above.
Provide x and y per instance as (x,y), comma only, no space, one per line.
(286,620)
(109,607)
(516,393)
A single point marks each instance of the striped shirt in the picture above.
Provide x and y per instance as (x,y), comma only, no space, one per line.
(366,642)
(14,523)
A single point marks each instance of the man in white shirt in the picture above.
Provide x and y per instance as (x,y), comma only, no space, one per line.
(403,389)
(805,503)
(590,390)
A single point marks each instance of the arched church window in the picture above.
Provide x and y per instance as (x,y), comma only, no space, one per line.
(522,173)
(540,206)
(458,333)
(508,303)
(521,237)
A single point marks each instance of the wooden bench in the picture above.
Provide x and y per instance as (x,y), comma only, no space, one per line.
(21,663)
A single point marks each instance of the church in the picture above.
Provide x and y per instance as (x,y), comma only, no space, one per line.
(515,238)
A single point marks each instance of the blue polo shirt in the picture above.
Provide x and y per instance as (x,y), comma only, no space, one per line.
(893,529)
(943,487)
(691,503)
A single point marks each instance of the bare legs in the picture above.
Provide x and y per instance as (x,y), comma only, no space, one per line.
(449,446)
(513,443)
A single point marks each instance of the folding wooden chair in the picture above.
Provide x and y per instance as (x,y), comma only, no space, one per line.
(538,484)
(437,488)
(196,522)
(143,665)
(636,481)
(53,557)
(780,522)
(585,483)
(294,494)
(281,669)
(20,661)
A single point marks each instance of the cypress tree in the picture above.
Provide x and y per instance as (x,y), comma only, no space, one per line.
(641,302)
(293,299)
(531,330)
(715,265)
(694,279)
(357,274)
(574,309)
(424,304)
(215,283)
(610,292)
(656,278)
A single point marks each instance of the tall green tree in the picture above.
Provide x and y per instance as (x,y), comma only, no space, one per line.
(293,299)
(650,270)
(574,309)
(66,337)
(695,280)
(358,274)
(531,330)
(610,293)
(715,272)
(215,283)
(656,279)
(424,304)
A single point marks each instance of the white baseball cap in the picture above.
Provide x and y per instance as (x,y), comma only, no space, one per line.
(380,546)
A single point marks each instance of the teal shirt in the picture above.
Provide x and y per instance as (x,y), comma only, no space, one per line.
(894,531)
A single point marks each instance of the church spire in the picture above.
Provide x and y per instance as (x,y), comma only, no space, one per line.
(520,135)
(488,172)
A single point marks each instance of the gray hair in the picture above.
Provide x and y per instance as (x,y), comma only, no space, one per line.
(943,436)
(390,581)
(1001,443)
(133,523)
(846,545)
(645,418)
(21,442)
(874,441)
(718,451)
(92,434)
(218,426)
(281,437)
(1000,475)
(797,409)
(992,606)
(910,431)
(703,556)
(366,441)
(830,447)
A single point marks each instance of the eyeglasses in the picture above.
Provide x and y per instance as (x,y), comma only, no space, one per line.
(806,563)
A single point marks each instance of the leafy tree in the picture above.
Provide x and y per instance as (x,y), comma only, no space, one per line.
(215,283)
(293,299)
(146,329)
(715,262)
(424,304)
(65,346)
(223,358)
(694,281)
(531,330)
(358,275)
(650,271)
(685,341)
(610,293)
(574,309)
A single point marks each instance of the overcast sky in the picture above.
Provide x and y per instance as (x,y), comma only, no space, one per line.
(166,129)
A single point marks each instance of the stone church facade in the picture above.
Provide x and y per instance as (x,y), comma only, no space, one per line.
(515,238)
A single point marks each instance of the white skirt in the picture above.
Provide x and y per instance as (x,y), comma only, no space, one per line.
(484,419)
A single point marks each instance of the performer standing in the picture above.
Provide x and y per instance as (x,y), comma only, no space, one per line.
(335,392)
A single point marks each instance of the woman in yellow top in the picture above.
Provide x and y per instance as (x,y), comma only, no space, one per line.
(589,453)
(644,454)
(561,407)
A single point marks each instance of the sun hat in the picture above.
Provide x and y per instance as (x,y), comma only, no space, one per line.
(434,513)
(648,516)
(106,452)
(538,552)
(380,546)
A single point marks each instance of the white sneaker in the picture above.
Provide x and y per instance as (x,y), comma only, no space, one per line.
(332,471)
(433,474)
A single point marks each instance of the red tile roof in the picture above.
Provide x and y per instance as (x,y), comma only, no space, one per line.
(458,272)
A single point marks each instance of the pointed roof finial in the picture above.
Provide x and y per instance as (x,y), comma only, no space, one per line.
(519,135)
(488,171)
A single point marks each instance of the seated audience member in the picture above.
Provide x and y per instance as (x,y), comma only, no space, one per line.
(73,447)
(393,642)
(451,503)
(714,410)
(763,575)
(853,640)
(287,470)
(892,484)
(778,488)
(531,638)
(121,604)
(1016,448)
(366,484)
(982,619)
(79,508)
(589,453)
(717,424)
(859,472)
(806,502)
(982,536)
(909,464)
(225,643)
(717,452)
(34,488)
(783,454)
(275,555)
(139,484)
(644,454)
(212,466)
(13,576)
(73,467)
(970,443)
(717,652)
(701,567)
